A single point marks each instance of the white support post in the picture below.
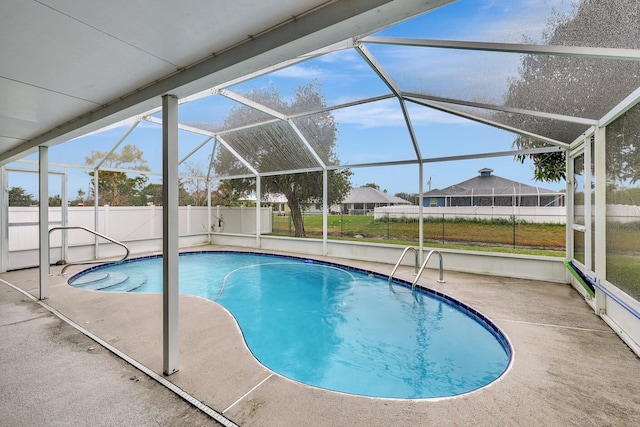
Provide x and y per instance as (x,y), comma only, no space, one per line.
(209,209)
(43,222)
(170,294)
(588,179)
(421,211)
(4,219)
(258,198)
(569,210)
(600,177)
(325,208)
(64,214)
(96,214)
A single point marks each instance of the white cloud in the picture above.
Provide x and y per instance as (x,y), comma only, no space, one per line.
(299,71)
(450,73)
(342,57)
(421,116)
(507,21)
(388,114)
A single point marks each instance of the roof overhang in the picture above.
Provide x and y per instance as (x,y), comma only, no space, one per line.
(79,66)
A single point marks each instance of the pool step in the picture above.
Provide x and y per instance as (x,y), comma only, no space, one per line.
(103,281)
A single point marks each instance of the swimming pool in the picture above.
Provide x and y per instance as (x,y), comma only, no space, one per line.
(330,326)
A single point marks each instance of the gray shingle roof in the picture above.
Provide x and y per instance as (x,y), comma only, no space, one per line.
(371,195)
(488,184)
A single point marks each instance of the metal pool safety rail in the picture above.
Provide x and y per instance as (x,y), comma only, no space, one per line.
(417,272)
(78,227)
(424,264)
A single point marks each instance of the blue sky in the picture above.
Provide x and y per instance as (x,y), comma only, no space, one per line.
(377,132)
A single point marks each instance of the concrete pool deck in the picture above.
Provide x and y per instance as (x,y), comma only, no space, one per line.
(569,367)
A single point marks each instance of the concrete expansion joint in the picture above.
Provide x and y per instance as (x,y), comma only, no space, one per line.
(247,393)
(150,373)
(25,320)
(606,331)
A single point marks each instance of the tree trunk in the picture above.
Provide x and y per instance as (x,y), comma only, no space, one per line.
(296,217)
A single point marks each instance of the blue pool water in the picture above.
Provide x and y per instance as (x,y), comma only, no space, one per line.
(333,327)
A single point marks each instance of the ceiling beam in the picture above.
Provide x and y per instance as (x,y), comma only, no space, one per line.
(505,109)
(520,48)
(487,122)
(334,22)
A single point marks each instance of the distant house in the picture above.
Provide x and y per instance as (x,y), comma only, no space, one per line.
(359,201)
(276,201)
(487,189)
(365,199)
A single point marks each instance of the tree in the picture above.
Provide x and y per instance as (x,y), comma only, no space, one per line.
(79,200)
(623,148)
(195,189)
(409,197)
(151,194)
(226,194)
(371,185)
(273,146)
(117,188)
(578,86)
(18,196)
(55,200)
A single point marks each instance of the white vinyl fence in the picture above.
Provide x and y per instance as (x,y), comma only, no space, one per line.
(556,215)
(539,214)
(139,227)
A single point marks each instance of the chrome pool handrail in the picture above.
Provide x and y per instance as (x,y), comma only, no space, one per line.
(79,227)
(424,264)
(407,249)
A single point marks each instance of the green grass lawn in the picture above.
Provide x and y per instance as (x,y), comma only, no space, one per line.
(624,272)
(623,256)
(623,240)
(497,235)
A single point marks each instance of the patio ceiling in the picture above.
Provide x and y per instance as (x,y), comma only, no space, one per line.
(592,72)
(70,67)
